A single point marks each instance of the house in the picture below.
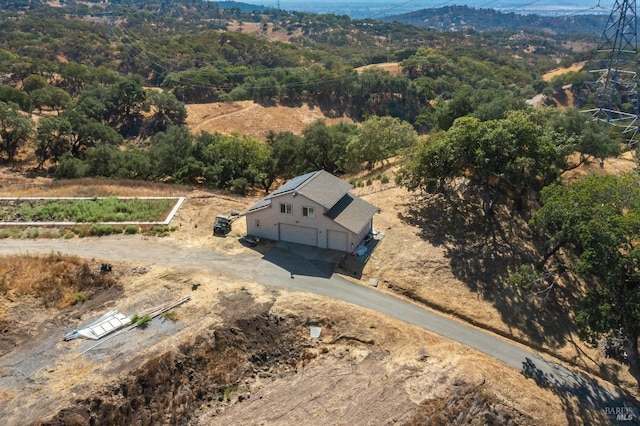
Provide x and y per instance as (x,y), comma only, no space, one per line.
(315,209)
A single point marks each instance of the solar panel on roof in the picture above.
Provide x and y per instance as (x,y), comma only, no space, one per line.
(293,183)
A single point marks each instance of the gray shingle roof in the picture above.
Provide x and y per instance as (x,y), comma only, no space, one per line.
(324,189)
(352,213)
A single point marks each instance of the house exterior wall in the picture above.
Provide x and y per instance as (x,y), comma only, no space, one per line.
(363,233)
(265,223)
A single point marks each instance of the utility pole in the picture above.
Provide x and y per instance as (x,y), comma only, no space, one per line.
(610,93)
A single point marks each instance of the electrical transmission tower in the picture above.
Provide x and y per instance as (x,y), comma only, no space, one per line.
(611,89)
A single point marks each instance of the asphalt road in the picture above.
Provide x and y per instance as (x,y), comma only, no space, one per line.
(284,268)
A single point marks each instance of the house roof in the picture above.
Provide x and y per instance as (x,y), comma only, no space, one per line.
(293,184)
(262,204)
(324,188)
(320,187)
(352,213)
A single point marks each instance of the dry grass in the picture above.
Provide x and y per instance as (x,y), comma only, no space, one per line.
(13,185)
(272,32)
(392,68)
(249,118)
(559,71)
(471,405)
(56,280)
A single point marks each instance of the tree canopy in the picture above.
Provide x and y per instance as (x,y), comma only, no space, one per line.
(506,157)
(599,218)
(378,139)
(15,129)
(511,158)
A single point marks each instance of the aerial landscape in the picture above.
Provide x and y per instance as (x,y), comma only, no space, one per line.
(230,213)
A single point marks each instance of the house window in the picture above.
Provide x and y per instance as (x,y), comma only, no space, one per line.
(286,208)
(309,212)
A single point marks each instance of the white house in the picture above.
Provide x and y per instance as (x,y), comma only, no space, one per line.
(315,209)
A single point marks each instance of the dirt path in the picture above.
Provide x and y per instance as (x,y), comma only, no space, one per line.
(276,272)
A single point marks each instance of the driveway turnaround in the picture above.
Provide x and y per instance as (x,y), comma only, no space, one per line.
(280,267)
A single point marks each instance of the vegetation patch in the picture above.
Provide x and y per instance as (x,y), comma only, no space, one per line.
(95,210)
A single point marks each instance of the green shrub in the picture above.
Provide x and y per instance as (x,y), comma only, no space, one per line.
(141,321)
(10,233)
(70,167)
(131,229)
(169,316)
(161,231)
(228,391)
(101,230)
(240,186)
(384,179)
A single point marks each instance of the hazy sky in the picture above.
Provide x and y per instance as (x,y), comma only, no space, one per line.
(379,8)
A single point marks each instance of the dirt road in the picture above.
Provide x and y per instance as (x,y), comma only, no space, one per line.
(281,267)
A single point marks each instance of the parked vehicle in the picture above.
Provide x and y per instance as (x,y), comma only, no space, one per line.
(250,240)
(222,225)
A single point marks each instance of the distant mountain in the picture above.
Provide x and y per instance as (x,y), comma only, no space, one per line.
(462,18)
(458,18)
(243,7)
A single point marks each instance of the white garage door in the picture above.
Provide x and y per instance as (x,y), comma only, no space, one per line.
(336,240)
(299,234)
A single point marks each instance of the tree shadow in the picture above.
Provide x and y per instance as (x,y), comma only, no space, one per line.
(353,264)
(291,103)
(584,400)
(266,102)
(483,252)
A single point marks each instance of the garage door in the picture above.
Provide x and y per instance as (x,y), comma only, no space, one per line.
(337,240)
(298,234)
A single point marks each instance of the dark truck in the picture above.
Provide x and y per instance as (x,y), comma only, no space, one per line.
(222,226)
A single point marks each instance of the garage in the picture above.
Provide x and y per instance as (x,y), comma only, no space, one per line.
(336,240)
(298,234)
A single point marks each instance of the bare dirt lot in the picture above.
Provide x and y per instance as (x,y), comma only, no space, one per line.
(241,353)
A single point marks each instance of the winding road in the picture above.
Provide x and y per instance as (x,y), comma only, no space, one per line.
(282,267)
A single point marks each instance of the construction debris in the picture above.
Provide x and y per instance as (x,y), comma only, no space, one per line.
(106,324)
(114,320)
(139,270)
